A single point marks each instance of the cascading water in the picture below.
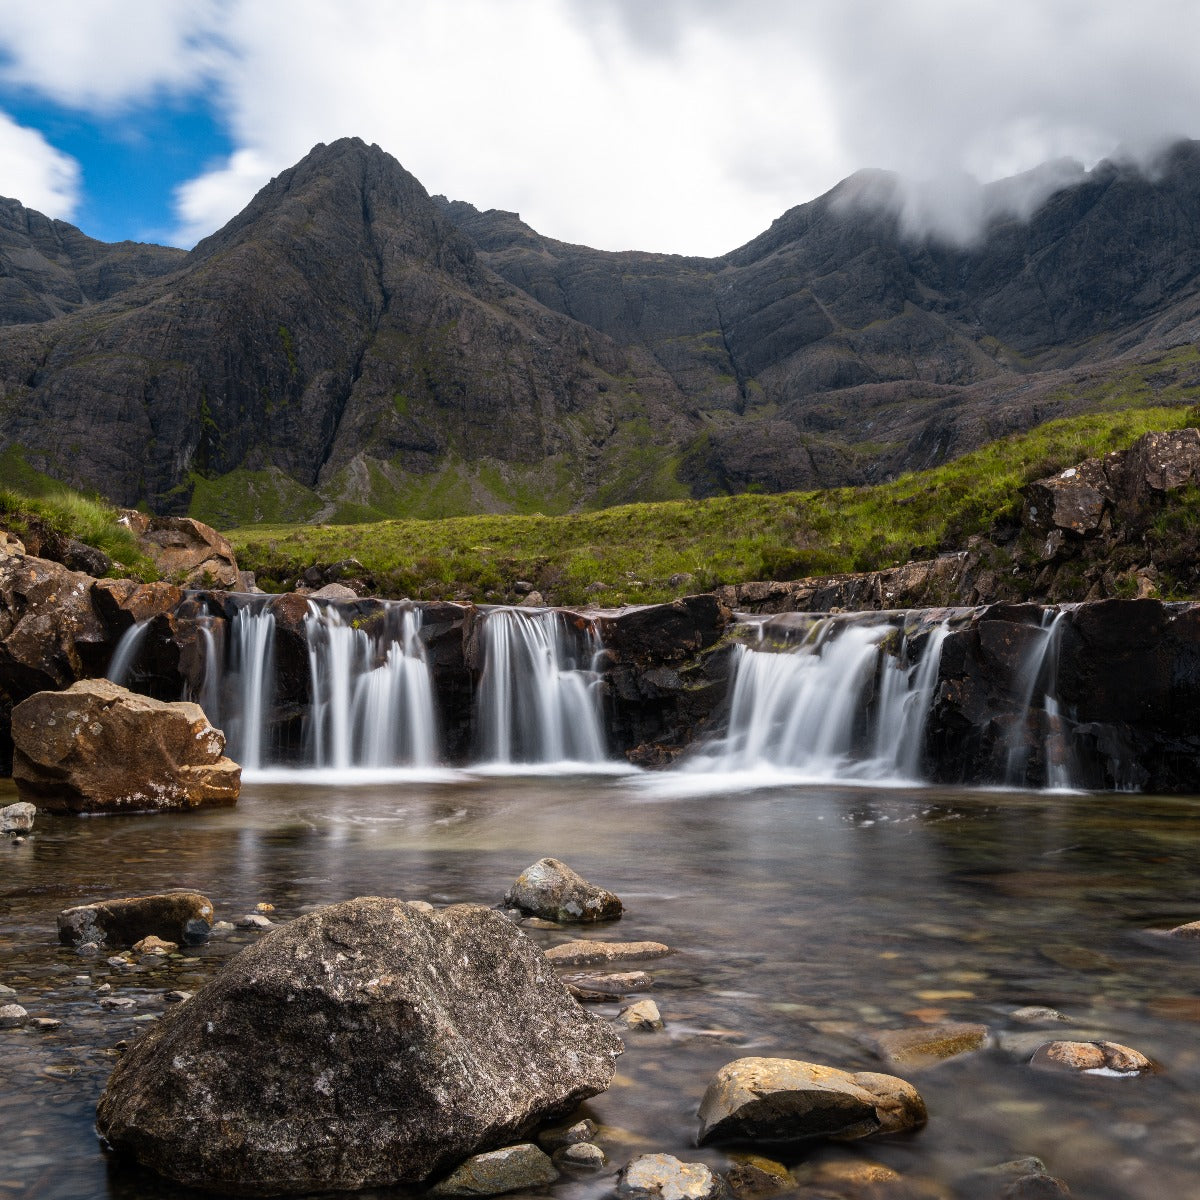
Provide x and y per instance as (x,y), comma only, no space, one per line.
(838,705)
(1039,727)
(120,667)
(250,685)
(372,699)
(539,699)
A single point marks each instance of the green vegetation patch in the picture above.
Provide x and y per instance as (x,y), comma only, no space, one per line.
(633,551)
(245,497)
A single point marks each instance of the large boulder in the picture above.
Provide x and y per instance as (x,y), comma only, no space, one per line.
(551,890)
(368,1044)
(184,550)
(97,747)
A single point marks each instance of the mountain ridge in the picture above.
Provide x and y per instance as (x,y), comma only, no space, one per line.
(349,346)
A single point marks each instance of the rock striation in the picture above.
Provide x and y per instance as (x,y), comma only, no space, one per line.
(97,747)
(401,1043)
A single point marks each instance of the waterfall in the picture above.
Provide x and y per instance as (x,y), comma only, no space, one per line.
(539,699)
(125,655)
(250,685)
(372,698)
(1039,725)
(840,705)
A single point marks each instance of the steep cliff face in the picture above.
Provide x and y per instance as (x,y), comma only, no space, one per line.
(339,332)
(348,346)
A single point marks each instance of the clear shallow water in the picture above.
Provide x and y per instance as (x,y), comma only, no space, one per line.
(804,917)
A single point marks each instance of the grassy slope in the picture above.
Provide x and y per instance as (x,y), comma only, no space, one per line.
(635,549)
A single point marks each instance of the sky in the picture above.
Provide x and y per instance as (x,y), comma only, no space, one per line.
(669,125)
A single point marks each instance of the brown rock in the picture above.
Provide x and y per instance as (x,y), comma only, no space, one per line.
(1073,500)
(589,953)
(1092,1057)
(1190,931)
(618,983)
(185,551)
(172,917)
(928,1044)
(784,1100)
(550,889)
(97,747)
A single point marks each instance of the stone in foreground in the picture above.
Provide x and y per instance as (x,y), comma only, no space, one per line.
(97,747)
(665,1177)
(551,890)
(785,1100)
(17,818)
(509,1170)
(368,1044)
(589,953)
(183,917)
(1092,1058)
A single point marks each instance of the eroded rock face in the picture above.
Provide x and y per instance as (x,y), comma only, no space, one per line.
(185,551)
(401,1043)
(550,889)
(97,747)
(786,1100)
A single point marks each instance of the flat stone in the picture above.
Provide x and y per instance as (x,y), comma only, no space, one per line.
(927,1044)
(665,1177)
(509,1170)
(1092,1058)
(643,1015)
(550,889)
(618,984)
(17,818)
(155,945)
(785,1100)
(12,1016)
(254,921)
(588,953)
(1037,1015)
(181,917)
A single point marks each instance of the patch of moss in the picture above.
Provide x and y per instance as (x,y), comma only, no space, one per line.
(244,497)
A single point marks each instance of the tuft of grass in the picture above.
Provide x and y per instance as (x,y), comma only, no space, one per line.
(634,550)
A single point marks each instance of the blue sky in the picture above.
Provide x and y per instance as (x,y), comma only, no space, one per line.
(678,125)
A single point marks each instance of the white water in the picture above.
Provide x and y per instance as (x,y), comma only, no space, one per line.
(251,685)
(837,707)
(539,697)
(1039,722)
(125,655)
(372,698)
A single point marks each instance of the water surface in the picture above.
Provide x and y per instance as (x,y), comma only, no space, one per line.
(805,917)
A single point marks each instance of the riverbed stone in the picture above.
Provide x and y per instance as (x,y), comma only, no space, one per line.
(1108,1058)
(558,1136)
(97,747)
(1188,932)
(617,983)
(1037,1014)
(580,1156)
(591,953)
(367,1044)
(643,1015)
(785,1100)
(665,1177)
(924,1045)
(498,1171)
(181,917)
(552,890)
(17,818)
(12,1016)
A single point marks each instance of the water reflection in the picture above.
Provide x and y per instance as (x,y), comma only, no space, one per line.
(805,919)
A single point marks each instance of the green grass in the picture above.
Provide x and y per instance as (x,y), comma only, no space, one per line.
(634,549)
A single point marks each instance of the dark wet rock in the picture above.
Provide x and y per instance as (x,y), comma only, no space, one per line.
(643,1015)
(923,1045)
(1017,1179)
(1105,1058)
(784,1100)
(12,1016)
(91,560)
(567,1135)
(97,747)
(665,1177)
(592,953)
(550,889)
(402,1042)
(753,1177)
(183,917)
(580,1157)
(511,1169)
(618,983)
(17,818)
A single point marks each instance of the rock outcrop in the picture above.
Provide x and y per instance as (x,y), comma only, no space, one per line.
(401,1043)
(97,747)
(186,552)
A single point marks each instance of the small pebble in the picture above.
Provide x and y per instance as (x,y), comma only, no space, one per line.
(1035,1014)
(223,927)
(104,989)
(643,1015)
(254,921)
(7,991)
(155,945)
(579,1156)
(176,997)
(117,1003)
(567,1135)
(45,1023)
(263,907)
(88,950)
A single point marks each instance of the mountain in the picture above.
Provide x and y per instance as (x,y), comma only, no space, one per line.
(350,347)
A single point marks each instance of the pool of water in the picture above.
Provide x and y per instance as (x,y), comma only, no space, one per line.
(805,919)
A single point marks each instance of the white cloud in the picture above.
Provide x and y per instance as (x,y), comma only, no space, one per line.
(680,125)
(34,172)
